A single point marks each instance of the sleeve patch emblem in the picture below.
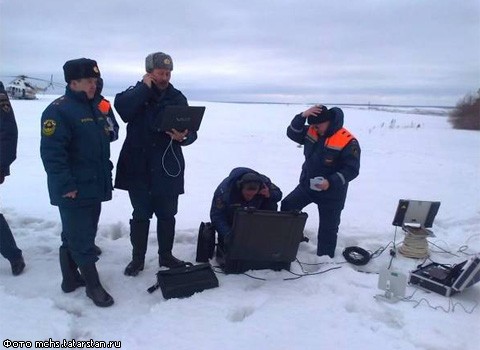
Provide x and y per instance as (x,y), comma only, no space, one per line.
(49,127)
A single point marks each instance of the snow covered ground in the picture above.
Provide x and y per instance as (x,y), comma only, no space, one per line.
(404,155)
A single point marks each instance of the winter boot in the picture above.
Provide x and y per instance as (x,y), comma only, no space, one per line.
(9,249)
(165,236)
(71,277)
(139,240)
(17,265)
(95,290)
(168,260)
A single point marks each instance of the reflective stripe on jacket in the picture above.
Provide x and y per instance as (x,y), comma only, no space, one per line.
(337,141)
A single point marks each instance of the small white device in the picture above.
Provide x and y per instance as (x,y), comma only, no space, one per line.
(394,284)
(316,181)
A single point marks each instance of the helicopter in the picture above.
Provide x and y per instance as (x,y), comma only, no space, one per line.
(21,88)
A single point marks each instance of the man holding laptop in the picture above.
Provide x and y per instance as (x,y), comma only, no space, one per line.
(151,164)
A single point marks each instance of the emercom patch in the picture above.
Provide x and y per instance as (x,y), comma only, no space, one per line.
(49,127)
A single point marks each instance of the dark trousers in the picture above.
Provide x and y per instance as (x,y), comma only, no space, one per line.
(329,217)
(79,228)
(8,247)
(164,207)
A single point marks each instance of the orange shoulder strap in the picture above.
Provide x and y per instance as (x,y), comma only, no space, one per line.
(104,106)
(339,140)
(312,134)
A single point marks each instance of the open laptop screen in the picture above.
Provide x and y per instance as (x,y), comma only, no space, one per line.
(179,118)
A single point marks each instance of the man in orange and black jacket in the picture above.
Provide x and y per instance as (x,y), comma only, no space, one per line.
(332,160)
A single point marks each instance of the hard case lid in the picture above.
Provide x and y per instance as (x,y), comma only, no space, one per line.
(264,235)
(470,274)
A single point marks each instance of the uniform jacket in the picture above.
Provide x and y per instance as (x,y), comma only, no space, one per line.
(8,134)
(75,150)
(227,198)
(150,160)
(334,156)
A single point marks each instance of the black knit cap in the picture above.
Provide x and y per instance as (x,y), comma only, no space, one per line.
(250,181)
(324,116)
(80,68)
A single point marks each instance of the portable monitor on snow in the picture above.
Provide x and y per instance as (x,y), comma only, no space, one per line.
(415,216)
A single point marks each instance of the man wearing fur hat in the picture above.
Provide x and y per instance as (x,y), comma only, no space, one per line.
(75,150)
(151,165)
(244,187)
(332,160)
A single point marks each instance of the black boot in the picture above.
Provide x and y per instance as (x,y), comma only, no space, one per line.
(94,288)
(9,249)
(139,240)
(17,265)
(165,237)
(168,260)
(134,267)
(71,277)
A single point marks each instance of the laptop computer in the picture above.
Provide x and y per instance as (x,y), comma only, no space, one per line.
(446,280)
(264,239)
(179,118)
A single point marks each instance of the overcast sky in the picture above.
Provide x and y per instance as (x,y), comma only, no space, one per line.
(313,51)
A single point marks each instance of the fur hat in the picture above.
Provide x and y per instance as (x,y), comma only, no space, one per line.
(158,60)
(250,181)
(80,68)
(324,116)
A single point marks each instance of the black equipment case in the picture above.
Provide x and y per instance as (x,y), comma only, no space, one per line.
(264,239)
(183,282)
(446,280)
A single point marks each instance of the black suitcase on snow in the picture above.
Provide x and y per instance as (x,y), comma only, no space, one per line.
(182,282)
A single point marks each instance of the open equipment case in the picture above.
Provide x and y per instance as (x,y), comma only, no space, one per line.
(447,280)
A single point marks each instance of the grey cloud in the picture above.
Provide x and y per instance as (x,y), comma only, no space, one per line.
(287,49)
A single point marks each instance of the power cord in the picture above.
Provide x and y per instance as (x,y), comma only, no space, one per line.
(356,256)
(217,269)
(451,305)
(170,146)
(359,256)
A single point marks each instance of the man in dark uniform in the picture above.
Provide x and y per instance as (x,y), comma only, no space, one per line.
(332,160)
(8,153)
(75,150)
(151,166)
(244,187)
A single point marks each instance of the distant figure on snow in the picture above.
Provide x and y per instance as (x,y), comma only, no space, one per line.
(332,160)
(8,153)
